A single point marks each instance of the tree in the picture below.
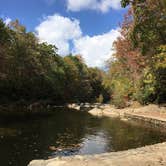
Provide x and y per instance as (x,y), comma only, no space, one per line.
(32,71)
(138,71)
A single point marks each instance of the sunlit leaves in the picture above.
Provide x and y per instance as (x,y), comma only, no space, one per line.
(30,70)
(140,54)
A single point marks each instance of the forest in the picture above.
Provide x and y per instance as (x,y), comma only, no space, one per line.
(32,71)
(138,71)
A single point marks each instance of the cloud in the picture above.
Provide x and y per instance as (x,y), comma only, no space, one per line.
(7,20)
(100,5)
(59,30)
(96,49)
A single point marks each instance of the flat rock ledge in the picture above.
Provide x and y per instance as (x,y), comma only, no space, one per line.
(152,114)
(153,155)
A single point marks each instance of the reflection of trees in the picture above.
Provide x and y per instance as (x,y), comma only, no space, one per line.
(123,136)
(63,129)
(70,129)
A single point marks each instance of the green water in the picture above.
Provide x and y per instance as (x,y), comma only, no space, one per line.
(71,133)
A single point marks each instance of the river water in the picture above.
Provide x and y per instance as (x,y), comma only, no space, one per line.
(68,133)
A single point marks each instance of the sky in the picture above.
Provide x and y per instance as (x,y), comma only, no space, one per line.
(85,27)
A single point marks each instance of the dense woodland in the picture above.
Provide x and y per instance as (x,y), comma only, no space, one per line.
(138,71)
(33,71)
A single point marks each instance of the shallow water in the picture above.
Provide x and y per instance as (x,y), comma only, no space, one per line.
(68,133)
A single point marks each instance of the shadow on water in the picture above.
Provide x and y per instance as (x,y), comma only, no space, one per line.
(66,133)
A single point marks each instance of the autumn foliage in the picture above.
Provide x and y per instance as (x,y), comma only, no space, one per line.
(138,71)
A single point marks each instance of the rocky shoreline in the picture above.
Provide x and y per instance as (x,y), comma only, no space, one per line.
(153,155)
(152,114)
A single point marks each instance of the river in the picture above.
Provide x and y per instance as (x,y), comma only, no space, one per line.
(68,133)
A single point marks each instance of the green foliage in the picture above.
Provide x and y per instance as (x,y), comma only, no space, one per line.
(4,33)
(139,69)
(96,78)
(152,85)
(160,73)
(32,71)
(121,91)
(146,92)
(125,3)
(149,26)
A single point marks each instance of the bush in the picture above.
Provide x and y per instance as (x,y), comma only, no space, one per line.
(121,92)
(145,93)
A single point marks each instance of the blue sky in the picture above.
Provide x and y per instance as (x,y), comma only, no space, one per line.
(86,27)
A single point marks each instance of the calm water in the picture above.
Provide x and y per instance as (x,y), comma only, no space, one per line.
(70,132)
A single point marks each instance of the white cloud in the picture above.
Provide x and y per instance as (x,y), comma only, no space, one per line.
(59,30)
(97,49)
(101,5)
(7,20)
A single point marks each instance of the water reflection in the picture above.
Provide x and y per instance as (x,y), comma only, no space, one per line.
(93,144)
(68,133)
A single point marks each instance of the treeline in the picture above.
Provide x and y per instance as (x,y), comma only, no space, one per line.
(33,71)
(138,71)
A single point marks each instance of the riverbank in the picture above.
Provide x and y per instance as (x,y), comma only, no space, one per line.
(153,155)
(152,114)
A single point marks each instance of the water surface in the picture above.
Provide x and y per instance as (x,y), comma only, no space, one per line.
(68,133)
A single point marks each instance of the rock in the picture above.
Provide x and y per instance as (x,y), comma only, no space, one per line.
(96,112)
(74,106)
(37,163)
(53,148)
